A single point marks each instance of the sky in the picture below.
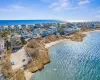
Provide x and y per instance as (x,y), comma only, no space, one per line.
(68,10)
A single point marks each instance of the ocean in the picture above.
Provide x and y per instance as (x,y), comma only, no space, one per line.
(21,22)
(73,61)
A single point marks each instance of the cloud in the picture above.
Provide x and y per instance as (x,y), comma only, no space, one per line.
(98,11)
(77,20)
(62,5)
(83,2)
(59,5)
(14,8)
(97,16)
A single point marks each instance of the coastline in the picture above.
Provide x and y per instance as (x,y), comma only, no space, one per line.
(28,75)
(60,56)
(48,45)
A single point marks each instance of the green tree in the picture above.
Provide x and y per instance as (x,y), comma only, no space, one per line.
(59,29)
(23,40)
(35,27)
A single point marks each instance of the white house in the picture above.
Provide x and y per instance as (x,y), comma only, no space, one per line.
(1,44)
(1,28)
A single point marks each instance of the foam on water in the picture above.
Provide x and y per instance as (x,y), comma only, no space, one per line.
(74,61)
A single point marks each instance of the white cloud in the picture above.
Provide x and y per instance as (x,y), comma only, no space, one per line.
(83,2)
(59,5)
(97,16)
(98,11)
(14,8)
(77,20)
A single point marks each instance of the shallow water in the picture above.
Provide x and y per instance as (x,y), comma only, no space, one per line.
(74,61)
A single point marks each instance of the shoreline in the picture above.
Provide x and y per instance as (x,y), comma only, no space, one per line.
(28,75)
(48,45)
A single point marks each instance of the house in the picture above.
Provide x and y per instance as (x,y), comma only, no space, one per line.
(5,27)
(70,25)
(36,33)
(9,28)
(2,77)
(27,35)
(15,40)
(23,27)
(16,27)
(54,24)
(38,25)
(44,24)
(20,27)
(92,26)
(70,30)
(12,26)
(28,27)
(1,28)
(44,33)
(1,44)
(52,30)
(31,27)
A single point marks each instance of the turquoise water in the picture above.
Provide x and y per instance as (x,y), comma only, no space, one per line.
(20,22)
(74,61)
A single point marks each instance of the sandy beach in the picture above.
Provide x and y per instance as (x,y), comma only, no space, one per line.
(18,57)
(48,45)
(89,31)
(28,75)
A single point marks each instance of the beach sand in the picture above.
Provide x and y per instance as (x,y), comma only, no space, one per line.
(28,75)
(17,59)
(48,45)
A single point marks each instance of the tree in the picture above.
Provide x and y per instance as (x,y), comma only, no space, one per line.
(35,27)
(23,40)
(59,29)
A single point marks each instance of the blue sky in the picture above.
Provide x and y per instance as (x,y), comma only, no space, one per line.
(76,10)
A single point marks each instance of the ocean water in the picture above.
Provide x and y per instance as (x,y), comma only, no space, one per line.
(73,61)
(20,22)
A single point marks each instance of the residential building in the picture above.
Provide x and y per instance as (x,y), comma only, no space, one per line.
(1,28)
(31,27)
(1,44)
(52,30)
(27,35)
(38,25)
(5,27)
(16,27)
(2,77)
(23,27)
(9,28)
(15,40)
(36,33)
(92,26)
(44,33)
(12,27)
(70,30)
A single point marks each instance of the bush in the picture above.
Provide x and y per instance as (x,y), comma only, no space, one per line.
(23,40)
